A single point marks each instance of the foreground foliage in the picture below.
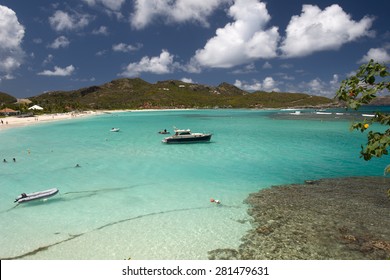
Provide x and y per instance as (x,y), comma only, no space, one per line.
(360,89)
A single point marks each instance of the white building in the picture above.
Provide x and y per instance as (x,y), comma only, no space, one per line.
(35,107)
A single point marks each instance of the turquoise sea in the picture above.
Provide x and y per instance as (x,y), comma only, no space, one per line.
(135,197)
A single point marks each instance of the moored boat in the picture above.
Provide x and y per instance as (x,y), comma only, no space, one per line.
(186,136)
(114,129)
(164,132)
(25,197)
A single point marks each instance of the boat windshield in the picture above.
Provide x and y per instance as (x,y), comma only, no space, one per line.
(183,132)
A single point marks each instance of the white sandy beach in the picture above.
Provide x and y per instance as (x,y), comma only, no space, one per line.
(15,121)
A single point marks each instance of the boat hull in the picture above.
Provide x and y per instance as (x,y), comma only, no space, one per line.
(36,195)
(187,140)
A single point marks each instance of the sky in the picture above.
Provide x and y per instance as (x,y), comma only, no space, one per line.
(276,45)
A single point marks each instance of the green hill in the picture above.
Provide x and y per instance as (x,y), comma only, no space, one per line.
(6,99)
(139,94)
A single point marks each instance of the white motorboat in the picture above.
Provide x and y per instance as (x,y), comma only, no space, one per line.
(114,129)
(186,136)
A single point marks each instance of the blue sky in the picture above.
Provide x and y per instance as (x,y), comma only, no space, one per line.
(292,46)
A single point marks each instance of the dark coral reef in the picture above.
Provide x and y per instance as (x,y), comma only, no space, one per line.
(328,219)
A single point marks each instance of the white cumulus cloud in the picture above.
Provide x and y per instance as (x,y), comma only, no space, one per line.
(243,40)
(268,84)
(11,36)
(267,65)
(102,30)
(187,80)
(122,47)
(60,42)
(317,30)
(377,54)
(58,71)
(114,5)
(48,59)
(61,21)
(162,64)
(319,87)
(145,11)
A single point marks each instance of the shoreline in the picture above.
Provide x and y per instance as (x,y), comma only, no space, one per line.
(15,121)
(327,219)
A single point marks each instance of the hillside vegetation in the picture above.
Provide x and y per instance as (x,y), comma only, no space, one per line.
(139,94)
(6,99)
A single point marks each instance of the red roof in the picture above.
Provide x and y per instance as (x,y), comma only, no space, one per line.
(7,110)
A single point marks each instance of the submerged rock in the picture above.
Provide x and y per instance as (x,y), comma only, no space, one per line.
(343,218)
(223,254)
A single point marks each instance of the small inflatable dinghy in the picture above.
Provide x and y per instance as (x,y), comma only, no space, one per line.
(25,197)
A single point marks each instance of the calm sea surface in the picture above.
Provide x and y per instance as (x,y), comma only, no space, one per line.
(135,197)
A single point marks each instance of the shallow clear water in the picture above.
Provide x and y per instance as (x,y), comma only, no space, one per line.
(135,197)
